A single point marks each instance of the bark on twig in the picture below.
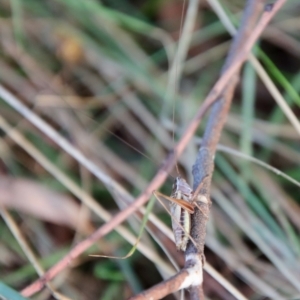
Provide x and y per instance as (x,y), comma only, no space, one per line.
(204,164)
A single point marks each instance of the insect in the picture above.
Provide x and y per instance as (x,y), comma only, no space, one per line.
(181,208)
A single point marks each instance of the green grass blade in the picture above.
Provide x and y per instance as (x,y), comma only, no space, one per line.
(8,293)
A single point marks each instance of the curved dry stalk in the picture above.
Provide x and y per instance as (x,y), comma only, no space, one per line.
(256,161)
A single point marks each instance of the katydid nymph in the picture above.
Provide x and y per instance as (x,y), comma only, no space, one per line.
(182,206)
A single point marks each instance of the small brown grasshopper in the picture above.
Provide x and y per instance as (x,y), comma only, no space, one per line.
(181,208)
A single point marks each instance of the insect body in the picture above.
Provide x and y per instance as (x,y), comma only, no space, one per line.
(181,218)
(181,208)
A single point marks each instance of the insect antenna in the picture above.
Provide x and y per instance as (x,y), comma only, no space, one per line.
(137,150)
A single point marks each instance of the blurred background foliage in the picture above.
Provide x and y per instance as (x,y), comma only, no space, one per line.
(97,72)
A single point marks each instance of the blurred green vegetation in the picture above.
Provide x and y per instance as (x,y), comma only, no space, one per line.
(98,73)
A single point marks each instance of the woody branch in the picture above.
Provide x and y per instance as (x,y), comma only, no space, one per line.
(204,163)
